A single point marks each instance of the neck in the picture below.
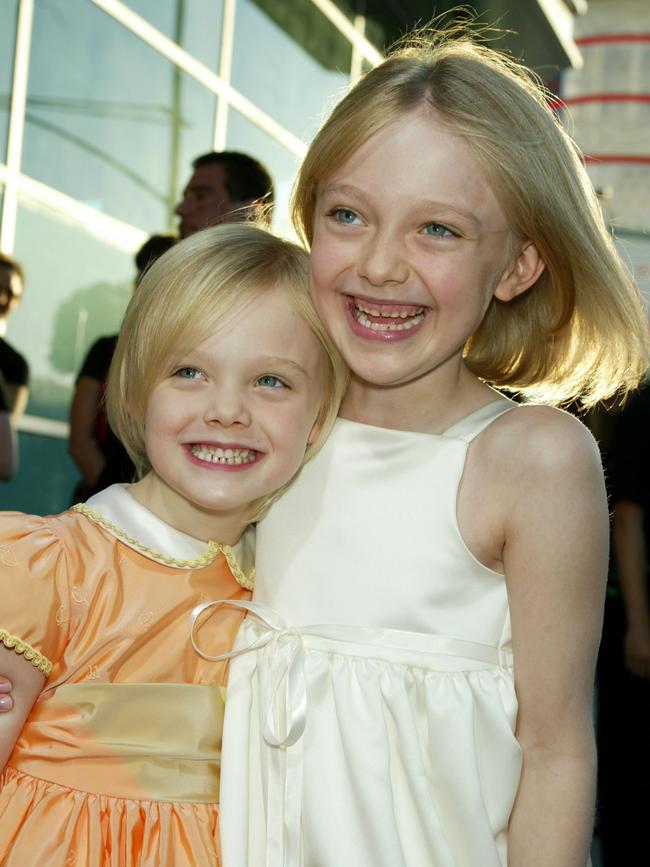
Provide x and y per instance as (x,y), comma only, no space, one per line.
(426,405)
(208,526)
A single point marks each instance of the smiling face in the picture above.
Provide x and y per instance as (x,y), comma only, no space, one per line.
(410,245)
(230,421)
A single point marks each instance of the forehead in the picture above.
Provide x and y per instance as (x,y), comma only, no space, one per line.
(265,324)
(419,158)
(210,179)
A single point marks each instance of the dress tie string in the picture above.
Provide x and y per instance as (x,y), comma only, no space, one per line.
(284,705)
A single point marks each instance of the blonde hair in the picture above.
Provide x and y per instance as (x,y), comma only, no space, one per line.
(189,292)
(580,331)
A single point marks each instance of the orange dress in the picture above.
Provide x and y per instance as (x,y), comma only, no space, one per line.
(118,762)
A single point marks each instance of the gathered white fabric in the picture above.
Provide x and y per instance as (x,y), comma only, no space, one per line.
(371,704)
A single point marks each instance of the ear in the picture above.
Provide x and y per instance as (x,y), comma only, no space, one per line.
(315,430)
(521,273)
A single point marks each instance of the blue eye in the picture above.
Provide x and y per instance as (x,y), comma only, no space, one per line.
(270,381)
(188,373)
(345,216)
(437,230)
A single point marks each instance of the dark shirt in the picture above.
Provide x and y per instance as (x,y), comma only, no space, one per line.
(629,463)
(4,399)
(96,366)
(119,467)
(13,366)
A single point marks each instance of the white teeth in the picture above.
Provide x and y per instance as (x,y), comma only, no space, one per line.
(217,455)
(373,311)
(362,319)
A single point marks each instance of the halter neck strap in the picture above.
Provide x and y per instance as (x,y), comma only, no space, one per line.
(472,425)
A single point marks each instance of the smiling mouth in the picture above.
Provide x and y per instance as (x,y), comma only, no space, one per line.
(387,318)
(216,455)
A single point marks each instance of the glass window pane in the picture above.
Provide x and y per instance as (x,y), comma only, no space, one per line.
(76,290)
(290,60)
(348,7)
(376,31)
(110,121)
(245,136)
(8,14)
(193,24)
(45,480)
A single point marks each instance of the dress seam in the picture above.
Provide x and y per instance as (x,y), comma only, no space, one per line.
(495,667)
(67,788)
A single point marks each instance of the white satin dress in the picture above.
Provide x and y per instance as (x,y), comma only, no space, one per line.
(372,723)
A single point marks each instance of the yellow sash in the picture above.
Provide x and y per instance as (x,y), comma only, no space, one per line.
(157,742)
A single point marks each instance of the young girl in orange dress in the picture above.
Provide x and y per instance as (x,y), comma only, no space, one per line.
(223,383)
(429,594)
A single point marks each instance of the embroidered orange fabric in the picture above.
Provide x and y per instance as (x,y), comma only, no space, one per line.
(84,785)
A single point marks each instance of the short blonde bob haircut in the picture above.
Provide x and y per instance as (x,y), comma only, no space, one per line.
(195,288)
(580,331)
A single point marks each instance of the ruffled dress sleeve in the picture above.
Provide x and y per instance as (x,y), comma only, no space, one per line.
(34,591)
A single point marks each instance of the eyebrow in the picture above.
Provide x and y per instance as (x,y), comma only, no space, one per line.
(346,190)
(195,356)
(278,359)
(420,205)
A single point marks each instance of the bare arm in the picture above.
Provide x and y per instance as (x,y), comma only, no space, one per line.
(631,561)
(28,684)
(82,445)
(555,558)
(18,396)
(7,447)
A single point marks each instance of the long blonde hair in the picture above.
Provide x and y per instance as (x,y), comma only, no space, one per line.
(188,293)
(580,331)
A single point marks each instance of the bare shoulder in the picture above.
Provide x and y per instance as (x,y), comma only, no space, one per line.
(532,469)
(535,439)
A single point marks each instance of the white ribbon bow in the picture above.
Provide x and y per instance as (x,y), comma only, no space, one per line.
(284,699)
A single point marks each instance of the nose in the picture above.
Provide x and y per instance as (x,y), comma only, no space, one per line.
(181,209)
(383,260)
(227,407)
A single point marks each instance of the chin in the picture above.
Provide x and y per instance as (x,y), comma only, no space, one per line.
(379,375)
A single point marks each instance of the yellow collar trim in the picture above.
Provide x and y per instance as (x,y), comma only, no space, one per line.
(205,559)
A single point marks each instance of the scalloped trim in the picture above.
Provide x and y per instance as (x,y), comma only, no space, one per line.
(245,581)
(209,555)
(37,659)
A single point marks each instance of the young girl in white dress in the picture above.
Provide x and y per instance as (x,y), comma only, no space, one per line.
(413,685)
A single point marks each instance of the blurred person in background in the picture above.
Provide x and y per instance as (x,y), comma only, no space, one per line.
(99,455)
(624,659)
(7,455)
(226,187)
(13,366)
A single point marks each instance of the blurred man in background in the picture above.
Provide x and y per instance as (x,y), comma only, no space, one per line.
(226,187)
(13,366)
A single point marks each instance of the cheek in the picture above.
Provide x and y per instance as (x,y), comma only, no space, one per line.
(163,417)
(325,263)
(292,433)
(322,288)
(153,434)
